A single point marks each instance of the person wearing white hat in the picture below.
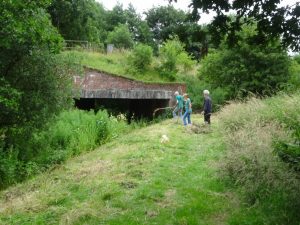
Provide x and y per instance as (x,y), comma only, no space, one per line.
(207,107)
(179,105)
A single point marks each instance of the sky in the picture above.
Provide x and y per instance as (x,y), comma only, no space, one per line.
(144,5)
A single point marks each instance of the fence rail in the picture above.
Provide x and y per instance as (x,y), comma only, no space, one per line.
(83,45)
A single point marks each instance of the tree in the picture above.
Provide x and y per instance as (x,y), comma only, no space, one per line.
(33,85)
(120,37)
(115,17)
(79,20)
(139,28)
(273,21)
(165,21)
(247,67)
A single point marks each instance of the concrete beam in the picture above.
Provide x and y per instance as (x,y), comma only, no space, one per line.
(126,94)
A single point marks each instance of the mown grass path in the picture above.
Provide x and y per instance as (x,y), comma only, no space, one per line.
(132,180)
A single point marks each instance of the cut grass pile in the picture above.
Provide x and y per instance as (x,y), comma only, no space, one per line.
(132,180)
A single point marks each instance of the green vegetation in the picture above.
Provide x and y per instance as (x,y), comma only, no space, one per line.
(90,21)
(258,69)
(140,58)
(70,133)
(294,81)
(132,180)
(273,20)
(262,157)
(120,37)
(115,63)
(206,178)
(173,55)
(242,170)
(35,82)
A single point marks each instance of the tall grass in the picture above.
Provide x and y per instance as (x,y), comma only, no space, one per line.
(70,133)
(256,134)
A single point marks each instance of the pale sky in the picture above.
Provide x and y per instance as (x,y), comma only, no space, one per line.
(144,5)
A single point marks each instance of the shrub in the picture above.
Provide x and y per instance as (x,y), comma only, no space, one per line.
(120,37)
(173,55)
(141,57)
(169,53)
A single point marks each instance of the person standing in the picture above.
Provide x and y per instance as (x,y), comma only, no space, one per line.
(179,105)
(207,107)
(188,110)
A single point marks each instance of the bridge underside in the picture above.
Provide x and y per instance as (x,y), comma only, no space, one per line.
(133,108)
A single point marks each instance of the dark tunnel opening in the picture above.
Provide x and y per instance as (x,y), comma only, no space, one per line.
(132,108)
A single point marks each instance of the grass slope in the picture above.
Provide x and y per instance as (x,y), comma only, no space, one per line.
(116,63)
(132,180)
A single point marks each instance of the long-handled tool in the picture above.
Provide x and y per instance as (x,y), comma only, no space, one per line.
(158,109)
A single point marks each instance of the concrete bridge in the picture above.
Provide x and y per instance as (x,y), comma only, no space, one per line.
(97,89)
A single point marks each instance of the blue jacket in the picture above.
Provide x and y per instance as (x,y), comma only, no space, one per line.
(207,105)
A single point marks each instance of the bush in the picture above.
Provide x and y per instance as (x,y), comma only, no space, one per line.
(252,132)
(140,58)
(258,69)
(120,37)
(173,55)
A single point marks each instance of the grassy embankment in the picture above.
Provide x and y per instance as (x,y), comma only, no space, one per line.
(133,180)
(230,175)
(116,63)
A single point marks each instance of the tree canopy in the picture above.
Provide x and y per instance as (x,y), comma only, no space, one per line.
(273,20)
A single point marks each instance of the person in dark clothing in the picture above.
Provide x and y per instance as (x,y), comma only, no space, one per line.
(207,107)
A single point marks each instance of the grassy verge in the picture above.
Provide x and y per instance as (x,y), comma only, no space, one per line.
(132,180)
(115,63)
(263,158)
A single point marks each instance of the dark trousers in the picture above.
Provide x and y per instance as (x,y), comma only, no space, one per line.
(207,118)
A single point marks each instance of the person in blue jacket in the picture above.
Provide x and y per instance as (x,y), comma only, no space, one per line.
(179,105)
(188,110)
(207,107)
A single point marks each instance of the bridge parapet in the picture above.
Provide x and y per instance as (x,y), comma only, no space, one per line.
(97,84)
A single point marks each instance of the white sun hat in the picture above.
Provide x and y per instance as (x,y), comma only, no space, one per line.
(206,92)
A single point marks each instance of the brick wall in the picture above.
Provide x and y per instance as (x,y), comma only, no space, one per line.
(97,80)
